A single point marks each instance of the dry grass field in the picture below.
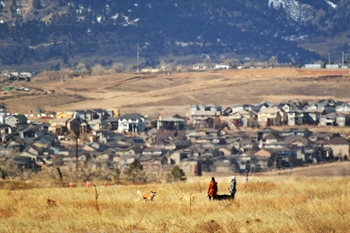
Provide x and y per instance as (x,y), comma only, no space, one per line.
(264,204)
(155,94)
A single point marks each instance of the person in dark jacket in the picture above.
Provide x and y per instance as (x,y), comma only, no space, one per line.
(213,188)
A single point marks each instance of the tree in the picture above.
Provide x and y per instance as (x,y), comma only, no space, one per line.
(135,171)
(176,174)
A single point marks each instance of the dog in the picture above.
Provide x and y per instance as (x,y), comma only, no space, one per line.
(147,196)
(190,198)
(223,197)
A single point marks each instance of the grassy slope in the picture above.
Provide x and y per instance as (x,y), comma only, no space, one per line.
(155,94)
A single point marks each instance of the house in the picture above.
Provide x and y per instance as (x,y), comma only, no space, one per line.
(15,120)
(269,139)
(3,113)
(221,66)
(211,109)
(334,119)
(171,123)
(107,136)
(309,154)
(263,105)
(132,122)
(241,118)
(340,147)
(320,137)
(92,114)
(271,117)
(243,163)
(302,132)
(326,105)
(5,132)
(312,116)
(261,163)
(28,133)
(345,107)
(135,150)
(59,125)
(205,119)
(289,106)
(111,123)
(266,131)
(297,141)
(284,158)
(246,145)
(246,107)
(95,124)
(101,113)
(58,150)
(296,117)
(266,154)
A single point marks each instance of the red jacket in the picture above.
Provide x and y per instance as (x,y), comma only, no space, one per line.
(212,189)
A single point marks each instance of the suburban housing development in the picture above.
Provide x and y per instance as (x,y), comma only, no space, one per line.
(206,139)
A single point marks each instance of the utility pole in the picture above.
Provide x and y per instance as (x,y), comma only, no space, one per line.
(138,59)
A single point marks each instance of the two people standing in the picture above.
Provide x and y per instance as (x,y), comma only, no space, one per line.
(213,187)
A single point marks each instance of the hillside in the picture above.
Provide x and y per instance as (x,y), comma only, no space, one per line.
(155,94)
(60,33)
(319,170)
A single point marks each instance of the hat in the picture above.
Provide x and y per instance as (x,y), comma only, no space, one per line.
(233,177)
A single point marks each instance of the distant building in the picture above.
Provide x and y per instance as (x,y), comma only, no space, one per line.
(332,66)
(221,66)
(3,113)
(313,66)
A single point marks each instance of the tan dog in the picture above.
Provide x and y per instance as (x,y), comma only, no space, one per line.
(147,196)
(188,198)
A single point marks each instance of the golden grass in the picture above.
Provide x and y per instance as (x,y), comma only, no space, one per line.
(264,204)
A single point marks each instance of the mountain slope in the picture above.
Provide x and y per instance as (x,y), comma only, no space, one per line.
(107,31)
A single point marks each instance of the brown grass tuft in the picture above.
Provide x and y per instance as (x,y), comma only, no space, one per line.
(51,203)
(209,226)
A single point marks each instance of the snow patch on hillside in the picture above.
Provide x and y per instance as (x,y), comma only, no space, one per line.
(297,11)
(332,4)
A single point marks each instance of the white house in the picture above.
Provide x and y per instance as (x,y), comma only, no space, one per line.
(345,107)
(3,113)
(221,66)
(132,122)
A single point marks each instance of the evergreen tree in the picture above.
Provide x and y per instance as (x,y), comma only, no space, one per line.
(176,174)
(135,172)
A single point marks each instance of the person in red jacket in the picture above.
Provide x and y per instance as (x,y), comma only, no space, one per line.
(213,188)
